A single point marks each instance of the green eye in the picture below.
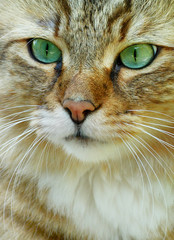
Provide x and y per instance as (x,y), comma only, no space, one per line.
(45,51)
(138,56)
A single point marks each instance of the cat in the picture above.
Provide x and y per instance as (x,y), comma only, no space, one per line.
(87,119)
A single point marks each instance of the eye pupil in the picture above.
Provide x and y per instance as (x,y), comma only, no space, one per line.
(135,54)
(47,47)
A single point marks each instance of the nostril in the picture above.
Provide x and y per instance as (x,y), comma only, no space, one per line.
(86,112)
(68,111)
(78,110)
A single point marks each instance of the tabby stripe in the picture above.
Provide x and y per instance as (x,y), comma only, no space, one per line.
(124,12)
(33,227)
(5,49)
(114,17)
(126,21)
(128,4)
(66,9)
(21,63)
(57,23)
(125,27)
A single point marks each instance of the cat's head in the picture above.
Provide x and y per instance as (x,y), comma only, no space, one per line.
(91,77)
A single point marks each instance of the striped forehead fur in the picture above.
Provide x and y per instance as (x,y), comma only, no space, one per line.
(94,13)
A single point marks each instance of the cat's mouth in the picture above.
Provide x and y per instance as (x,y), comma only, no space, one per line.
(82,139)
(78,136)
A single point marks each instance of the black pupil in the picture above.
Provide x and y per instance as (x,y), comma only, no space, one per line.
(135,54)
(47,47)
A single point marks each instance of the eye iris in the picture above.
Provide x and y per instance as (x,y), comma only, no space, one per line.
(45,51)
(138,56)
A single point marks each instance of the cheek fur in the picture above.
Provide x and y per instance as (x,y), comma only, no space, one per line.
(55,125)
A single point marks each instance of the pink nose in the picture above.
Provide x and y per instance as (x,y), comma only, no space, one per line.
(78,110)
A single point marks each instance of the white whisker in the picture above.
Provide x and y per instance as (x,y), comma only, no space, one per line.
(150,111)
(34,146)
(15,107)
(150,151)
(130,160)
(158,124)
(156,129)
(21,137)
(40,159)
(47,159)
(14,172)
(16,114)
(164,143)
(135,156)
(155,118)
(11,124)
(158,180)
(26,133)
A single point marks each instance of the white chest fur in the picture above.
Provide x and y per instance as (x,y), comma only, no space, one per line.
(110,208)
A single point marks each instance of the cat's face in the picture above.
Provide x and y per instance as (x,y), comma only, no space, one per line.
(89,99)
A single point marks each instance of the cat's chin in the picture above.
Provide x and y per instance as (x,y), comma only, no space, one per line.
(87,149)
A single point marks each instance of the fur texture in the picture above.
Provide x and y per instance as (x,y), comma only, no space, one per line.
(112,176)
